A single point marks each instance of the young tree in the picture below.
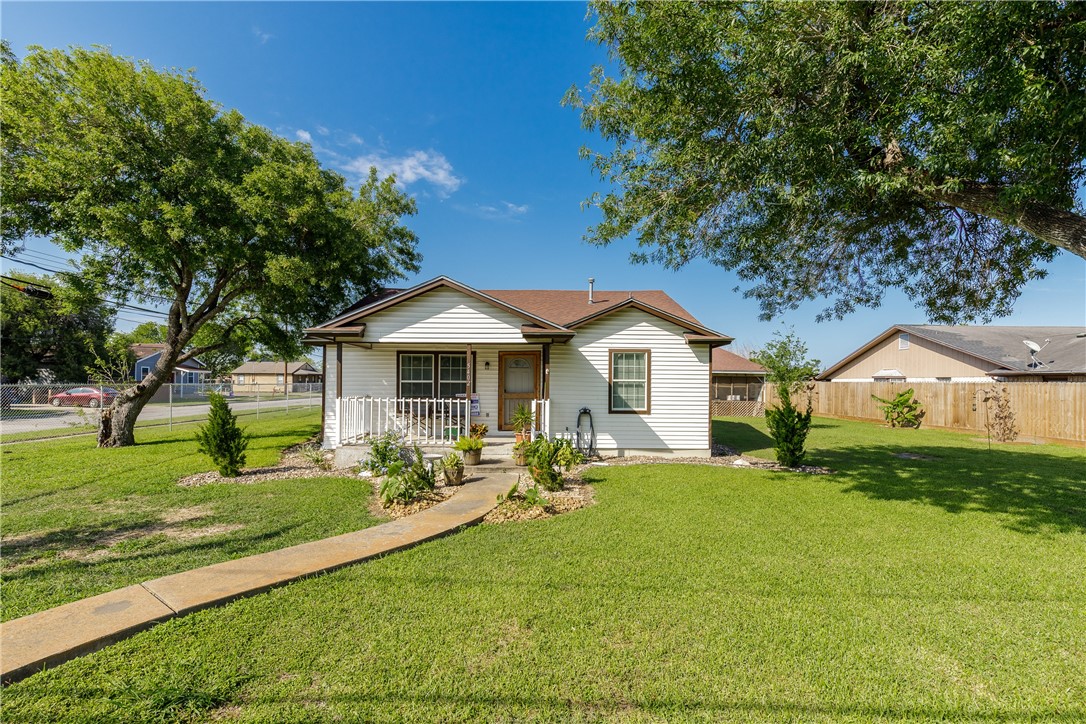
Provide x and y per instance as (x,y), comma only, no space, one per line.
(787,367)
(168,197)
(786,362)
(834,149)
(60,332)
(221,439)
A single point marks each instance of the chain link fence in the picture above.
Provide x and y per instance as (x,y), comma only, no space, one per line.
(36,411)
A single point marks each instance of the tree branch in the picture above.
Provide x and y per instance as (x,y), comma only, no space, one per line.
(1050,224)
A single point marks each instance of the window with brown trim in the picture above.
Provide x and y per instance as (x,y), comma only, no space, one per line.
(421,374)
(629,378)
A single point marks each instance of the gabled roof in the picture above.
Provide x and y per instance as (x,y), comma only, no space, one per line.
(1000,346)
(145,350)
(725,361)
(273,368)
(546,312)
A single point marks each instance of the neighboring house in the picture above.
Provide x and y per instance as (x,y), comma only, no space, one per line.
(737,385)
(633,364)
(190,371)
(271,376)
(939,353)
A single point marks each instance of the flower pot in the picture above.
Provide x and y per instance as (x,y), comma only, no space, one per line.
(454,476)
(519,436)
(520,458)
(473,457)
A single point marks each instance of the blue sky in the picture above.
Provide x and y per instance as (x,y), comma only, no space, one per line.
(462,101)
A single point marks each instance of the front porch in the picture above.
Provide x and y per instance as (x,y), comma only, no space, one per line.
(435,422)
(497,454)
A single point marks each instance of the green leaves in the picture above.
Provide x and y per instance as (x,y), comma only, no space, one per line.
(167,195)
(834,150)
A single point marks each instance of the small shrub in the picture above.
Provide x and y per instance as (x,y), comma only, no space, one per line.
(468,444)
(999,417)
(315,455)
(548,459)
(902,411)
(789,428)
(479,430)
(405,482)
(221,439)
(531,498)
(384,451)
(522,418)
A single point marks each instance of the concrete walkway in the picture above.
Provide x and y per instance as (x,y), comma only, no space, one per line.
(47,638)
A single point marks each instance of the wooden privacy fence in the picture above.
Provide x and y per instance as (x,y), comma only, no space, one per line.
(1043,411)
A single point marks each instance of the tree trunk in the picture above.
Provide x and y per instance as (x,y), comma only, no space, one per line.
(117,427)
(1058,227)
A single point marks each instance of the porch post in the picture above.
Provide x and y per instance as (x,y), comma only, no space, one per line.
(467,392)
(546,427)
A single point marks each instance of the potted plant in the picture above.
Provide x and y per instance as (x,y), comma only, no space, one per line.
(520,452)
(522,422)
(453,467)
(479,429)
(472,447)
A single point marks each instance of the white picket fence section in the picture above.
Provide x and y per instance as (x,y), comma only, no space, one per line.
(420,421)
(427,421)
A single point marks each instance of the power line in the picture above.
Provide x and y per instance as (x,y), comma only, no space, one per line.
(120,305)
(53,259)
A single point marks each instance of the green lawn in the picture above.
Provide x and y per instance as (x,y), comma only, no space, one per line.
(896,589)
(78,521)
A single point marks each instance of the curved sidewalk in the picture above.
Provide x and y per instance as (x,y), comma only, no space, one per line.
(47,638)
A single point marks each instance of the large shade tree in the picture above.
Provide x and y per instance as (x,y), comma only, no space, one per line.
(50,330)
(835,149)
(172,200)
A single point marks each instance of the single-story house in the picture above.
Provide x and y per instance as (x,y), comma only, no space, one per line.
(624,371)
(191,371)
(737,385)
(964,353)
(271,376)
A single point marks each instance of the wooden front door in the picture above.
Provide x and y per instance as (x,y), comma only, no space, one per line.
(518,383)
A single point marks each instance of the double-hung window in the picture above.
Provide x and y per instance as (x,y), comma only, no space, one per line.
(416,375)
(433,374)
(452,375)
(629,380)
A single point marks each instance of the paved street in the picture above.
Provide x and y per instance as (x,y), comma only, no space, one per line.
(33,418)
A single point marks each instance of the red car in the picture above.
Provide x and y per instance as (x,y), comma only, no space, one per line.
(84,397)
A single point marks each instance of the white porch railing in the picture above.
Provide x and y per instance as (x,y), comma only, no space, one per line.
(541,414)
(419,421)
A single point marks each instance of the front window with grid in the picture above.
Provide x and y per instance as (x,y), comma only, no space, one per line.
(416,375)
(630,381)
(452,370)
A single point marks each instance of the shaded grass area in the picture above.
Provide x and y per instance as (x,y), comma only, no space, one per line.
(685,593)
(79,521)
(1031,488)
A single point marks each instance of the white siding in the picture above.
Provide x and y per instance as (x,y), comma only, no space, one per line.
(679,391)
(444,316)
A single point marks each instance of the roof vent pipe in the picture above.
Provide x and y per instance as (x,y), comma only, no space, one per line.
(591,281)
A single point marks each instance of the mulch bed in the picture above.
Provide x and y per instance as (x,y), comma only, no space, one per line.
(439,494)
(293,464)
(575,495)
(721,455)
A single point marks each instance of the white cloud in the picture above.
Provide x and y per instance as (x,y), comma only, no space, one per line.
(501,210)
(261,35)
(429,166)
(304,136)
(322,130)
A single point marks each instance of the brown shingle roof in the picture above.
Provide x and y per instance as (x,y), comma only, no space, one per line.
(565,306)
(725,361)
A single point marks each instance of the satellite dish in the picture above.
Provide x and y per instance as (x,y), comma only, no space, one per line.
(1033,346)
